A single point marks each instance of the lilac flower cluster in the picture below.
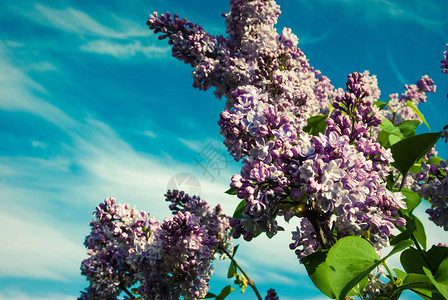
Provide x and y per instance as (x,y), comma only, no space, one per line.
(178,263)
(397,111)
(115,231)
(337,172)
(271,91)
(252,54)
(272,295)
(167,260)
(215,221)
(434,188)
(444,62)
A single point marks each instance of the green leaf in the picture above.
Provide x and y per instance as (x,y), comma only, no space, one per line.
(418,113)
(398,248)
(232,270)
(407,127)
(360,280)
(419,233)
(231,191)
(400,274)
(383,138)
(393,139)
(316,268)
(412,261)
(348,263)
(235,249)
(416,168)
(316,125)
(380,104)
(225,292)
(419,281)
(388,126)
(440,279)
(428,295)
(436,255)
(210,295)
(238,213)
(434,161)
(410,150)
(412,200)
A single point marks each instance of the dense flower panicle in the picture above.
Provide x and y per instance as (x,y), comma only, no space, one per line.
(216,223)
(272,295)
(179,262)
(305,239)
(434,188)
(444,62)
(340,171)
(169,260)
(397,111)
(115,230)
(253,53)
(332,181)
(190,42)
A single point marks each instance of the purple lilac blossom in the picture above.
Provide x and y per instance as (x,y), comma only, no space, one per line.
(397,111)
(216,222)
(272,295)
(337,172)
(115,230)
(444,62)
(168,260)
(434,188)
(271,91)
(178,261)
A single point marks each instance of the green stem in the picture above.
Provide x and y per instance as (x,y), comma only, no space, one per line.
(249,281)
(392,278)
(325,240)
(396,180)
(409,286)
(402,182)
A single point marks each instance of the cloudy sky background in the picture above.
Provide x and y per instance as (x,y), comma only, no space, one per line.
(92,105)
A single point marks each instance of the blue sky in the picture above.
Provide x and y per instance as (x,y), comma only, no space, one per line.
(92,105)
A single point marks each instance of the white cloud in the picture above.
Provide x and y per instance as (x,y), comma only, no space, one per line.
(17,94)
(307,39)
(19,295)
(43,66)
(405,11)
(193,145)
(78,22)
(119,50)
(33,247)
(149,133)
(38,144)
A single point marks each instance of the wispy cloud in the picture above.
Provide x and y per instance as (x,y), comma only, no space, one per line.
(17,93)
(32,251)
(78,22)
(395,69)
(43,66)
(308,39)
(149,133)
(120,50)
(415,12)
(19,295)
